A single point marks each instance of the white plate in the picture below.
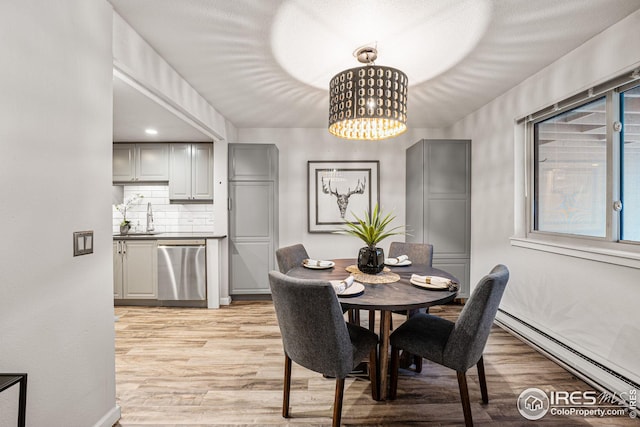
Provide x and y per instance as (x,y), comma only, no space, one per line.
(430,286)
(320,267)
(352,291)
(400,264)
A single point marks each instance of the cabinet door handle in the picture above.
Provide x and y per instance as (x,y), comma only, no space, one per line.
(124,248)
(119,247)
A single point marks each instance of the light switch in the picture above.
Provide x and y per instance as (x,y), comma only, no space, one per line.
(82,242)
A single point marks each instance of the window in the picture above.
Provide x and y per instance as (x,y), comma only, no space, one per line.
(586,166)
(570,171)
(630,186)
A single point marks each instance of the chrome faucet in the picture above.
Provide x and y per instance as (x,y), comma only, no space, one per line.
(150,226)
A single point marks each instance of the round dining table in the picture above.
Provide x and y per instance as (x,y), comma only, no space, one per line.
(383,297)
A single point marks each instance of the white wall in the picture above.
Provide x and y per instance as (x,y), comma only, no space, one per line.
(589,305)
(297,146)
(56,311)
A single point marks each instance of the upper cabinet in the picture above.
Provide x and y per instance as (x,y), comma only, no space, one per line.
(191,170)
(145,162)
(253,162)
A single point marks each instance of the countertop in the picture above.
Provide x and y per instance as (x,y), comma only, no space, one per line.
(167,236)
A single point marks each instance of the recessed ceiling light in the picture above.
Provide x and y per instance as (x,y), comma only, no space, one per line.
(151,131)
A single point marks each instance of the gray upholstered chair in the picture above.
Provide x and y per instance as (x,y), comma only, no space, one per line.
(457,345)
(418,253)
(290,257)
(319,339)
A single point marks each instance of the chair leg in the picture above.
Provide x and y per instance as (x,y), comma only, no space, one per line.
(337,403)
(464,397)
(372,320)
(287,386)
(395,364)
(417,360)
(373,374)
(483,381)
(354,316)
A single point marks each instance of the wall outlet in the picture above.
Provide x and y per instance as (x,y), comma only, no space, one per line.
(82,242)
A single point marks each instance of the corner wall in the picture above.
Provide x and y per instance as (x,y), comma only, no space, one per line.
(56,310)
(589,306)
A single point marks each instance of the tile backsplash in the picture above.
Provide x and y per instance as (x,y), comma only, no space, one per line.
(167,217)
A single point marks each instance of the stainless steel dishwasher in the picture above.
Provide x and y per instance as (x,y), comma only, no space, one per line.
(182,272)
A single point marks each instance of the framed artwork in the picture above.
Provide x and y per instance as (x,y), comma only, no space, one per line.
(338,188)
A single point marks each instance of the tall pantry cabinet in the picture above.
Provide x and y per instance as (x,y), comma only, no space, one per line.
(438,203)
(253,217)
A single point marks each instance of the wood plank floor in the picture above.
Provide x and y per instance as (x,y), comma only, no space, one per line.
(198,367)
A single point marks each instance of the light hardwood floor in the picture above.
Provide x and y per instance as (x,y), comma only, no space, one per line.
(198,367)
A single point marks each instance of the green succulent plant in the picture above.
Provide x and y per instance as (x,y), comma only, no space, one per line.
(371,229)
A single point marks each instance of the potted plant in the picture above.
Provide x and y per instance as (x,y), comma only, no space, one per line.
(125,224)
(371,230)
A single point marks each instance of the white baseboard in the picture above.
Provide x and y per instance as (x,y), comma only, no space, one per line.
(594,374)
(225,301)
(110,418)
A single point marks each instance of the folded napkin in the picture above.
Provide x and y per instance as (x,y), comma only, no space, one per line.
(341,285)
(397,260)
(316,262)
(435,281)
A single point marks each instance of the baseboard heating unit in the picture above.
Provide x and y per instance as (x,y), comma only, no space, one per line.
(591,371)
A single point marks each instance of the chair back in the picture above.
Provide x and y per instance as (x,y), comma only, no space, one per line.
(471,331)
(418,253)
(314,333)
(290,257)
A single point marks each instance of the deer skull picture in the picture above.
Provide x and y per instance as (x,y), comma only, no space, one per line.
(343,199)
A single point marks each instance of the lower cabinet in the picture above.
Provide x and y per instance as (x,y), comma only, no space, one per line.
(135,269)
(253,236)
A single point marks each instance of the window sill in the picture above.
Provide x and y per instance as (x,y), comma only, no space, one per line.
(609,256)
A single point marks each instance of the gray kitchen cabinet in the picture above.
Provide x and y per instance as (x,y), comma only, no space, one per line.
(191,171)
(117,269)
(124,167)
(253,162)
(438,203)
(135,269)
(146,162)
(253,217)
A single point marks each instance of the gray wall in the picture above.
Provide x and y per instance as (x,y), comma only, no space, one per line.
(587,304)
(56,311)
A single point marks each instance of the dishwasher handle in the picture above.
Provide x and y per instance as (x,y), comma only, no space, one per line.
(181,242)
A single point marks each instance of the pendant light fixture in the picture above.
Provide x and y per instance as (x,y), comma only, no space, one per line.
(368,102)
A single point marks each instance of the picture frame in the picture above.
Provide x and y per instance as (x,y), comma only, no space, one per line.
(338,188)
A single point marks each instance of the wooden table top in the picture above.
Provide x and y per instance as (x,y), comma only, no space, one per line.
(400,295)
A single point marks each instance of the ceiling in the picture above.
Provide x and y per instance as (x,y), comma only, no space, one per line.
(134,112)
(267,63)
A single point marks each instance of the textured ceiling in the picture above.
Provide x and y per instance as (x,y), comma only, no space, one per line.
(261,63)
